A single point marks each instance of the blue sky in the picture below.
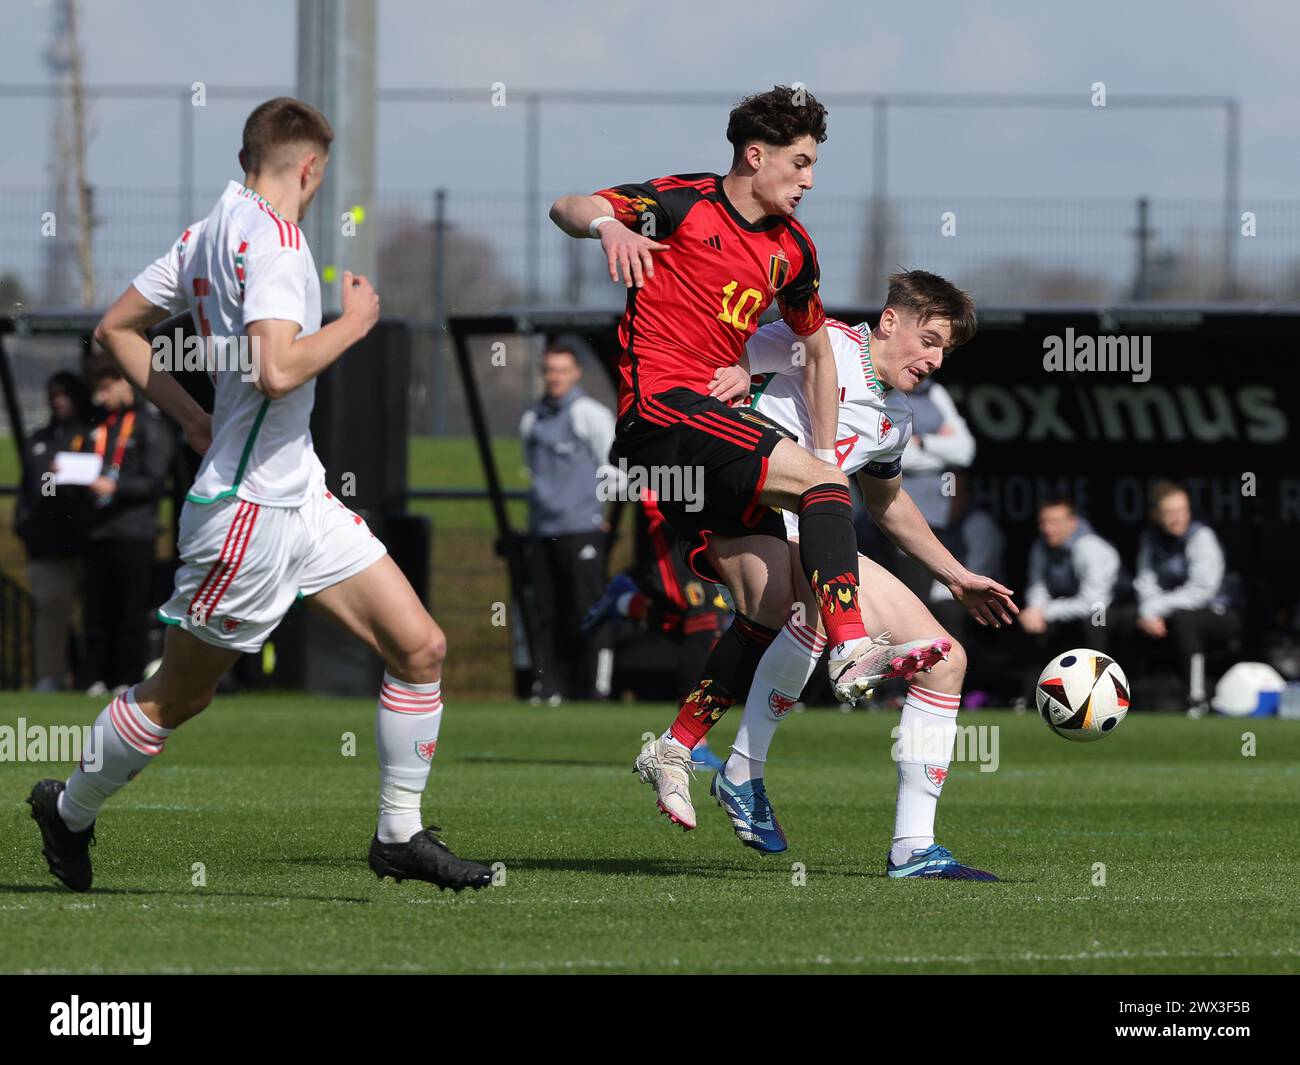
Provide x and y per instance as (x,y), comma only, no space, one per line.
(944,157)
(1244,50)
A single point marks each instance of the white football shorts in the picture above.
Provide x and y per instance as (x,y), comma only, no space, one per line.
(244,564)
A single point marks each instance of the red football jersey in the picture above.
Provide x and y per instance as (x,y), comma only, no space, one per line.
(718,276)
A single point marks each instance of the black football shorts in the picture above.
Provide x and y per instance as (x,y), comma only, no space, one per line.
(706,463)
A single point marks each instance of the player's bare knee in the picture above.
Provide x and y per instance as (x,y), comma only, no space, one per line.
(950,674)
(836,475)
(819,473)
(419,659)
(957,658)
(435,648)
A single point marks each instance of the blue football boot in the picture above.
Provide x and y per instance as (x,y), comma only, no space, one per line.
(751,814)
(935,863)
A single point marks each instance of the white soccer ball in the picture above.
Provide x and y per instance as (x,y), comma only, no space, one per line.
(1082,695)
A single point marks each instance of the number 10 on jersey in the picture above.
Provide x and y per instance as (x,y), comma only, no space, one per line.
(740,315)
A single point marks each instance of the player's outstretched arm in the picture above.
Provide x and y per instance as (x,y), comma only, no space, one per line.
(283,360)
(574,214)
(901,520)
(121,332)
(627,252)
(821,386)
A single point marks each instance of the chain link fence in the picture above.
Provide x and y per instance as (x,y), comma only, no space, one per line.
(1012,250)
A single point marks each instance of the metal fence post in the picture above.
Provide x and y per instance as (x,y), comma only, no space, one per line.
(439,377)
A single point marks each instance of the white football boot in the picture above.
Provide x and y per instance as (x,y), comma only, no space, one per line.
(667,767)
(876,659)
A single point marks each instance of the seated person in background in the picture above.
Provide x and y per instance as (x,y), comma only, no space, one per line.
(1182,598)
(1070,586)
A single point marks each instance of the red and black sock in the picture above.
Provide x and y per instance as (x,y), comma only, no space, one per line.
(828,549)
(727,675)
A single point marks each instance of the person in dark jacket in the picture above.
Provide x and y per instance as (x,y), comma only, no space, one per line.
(1184,600)
(136,446)
(1070,586)
(51,522)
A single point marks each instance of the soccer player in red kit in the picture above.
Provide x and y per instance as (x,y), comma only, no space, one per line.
(703,256)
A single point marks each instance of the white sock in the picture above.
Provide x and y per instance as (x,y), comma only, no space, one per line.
(841,651)
(406,734)
(927,735)
(670,738)
(786,666)
(122,742)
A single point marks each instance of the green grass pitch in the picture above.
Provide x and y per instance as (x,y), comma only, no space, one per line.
(1200,843)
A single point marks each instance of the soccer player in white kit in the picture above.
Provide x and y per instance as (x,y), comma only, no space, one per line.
(925,317)
(259,528)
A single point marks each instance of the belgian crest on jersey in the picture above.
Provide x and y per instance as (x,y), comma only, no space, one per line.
(778,270)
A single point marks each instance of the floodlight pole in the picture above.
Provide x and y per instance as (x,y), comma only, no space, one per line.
(533,194)
(1231,194)
(186,156)
(878,233)
(336,73)
(438,378)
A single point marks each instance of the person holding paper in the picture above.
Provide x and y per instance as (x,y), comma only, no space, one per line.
(51,522)
(136,449)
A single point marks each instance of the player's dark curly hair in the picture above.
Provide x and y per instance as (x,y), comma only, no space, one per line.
(779,118)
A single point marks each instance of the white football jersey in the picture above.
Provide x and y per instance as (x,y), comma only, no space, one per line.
(245,263)
(875,423)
